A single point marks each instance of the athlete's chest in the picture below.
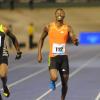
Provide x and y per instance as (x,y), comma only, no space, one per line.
(58,32)
(58,35)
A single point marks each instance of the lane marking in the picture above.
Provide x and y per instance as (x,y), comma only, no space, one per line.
(26,78)
(98,96)
(71,75)
(18,66)
(25,65)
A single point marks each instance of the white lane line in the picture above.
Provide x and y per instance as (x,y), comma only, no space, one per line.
(28,77)
(72,74)
(19,66)
(98,96)
(26,65)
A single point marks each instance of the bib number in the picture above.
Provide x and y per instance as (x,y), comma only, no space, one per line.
(0,41)
(58,49)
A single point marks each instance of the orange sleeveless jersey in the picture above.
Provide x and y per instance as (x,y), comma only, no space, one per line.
(57,39)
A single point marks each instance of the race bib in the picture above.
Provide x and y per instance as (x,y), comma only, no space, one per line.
(0,41)
(58,49)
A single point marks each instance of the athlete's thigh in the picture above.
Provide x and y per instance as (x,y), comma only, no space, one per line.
(65,64)
(4,56)
(64,70)
(53,67)
(64,75)
(3,69)
(3,66)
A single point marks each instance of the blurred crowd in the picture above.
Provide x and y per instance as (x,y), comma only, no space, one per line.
(12,3)
(31,1)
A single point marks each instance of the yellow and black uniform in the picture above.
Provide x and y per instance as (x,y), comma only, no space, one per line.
(4,31)
(3,47)
(31,30)
(58,37)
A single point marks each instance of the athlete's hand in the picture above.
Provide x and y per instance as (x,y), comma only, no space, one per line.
(18,55)
(76,42)
(40,58)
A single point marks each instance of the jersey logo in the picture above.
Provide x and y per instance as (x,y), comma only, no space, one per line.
(62,32)
(63,70)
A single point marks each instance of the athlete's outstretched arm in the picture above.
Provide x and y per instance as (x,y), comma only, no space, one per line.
(73,36)
(15,42)
(41,41)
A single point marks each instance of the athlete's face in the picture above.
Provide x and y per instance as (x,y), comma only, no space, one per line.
(59,14)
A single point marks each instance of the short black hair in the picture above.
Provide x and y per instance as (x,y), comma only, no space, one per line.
(59,9)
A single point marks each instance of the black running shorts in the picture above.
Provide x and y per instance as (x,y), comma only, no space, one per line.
(4,59)
(4,56)
(59,62)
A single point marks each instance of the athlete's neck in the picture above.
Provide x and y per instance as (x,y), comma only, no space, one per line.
(59,23)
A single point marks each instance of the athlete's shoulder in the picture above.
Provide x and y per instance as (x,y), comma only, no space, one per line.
(47,26)
(51,24)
